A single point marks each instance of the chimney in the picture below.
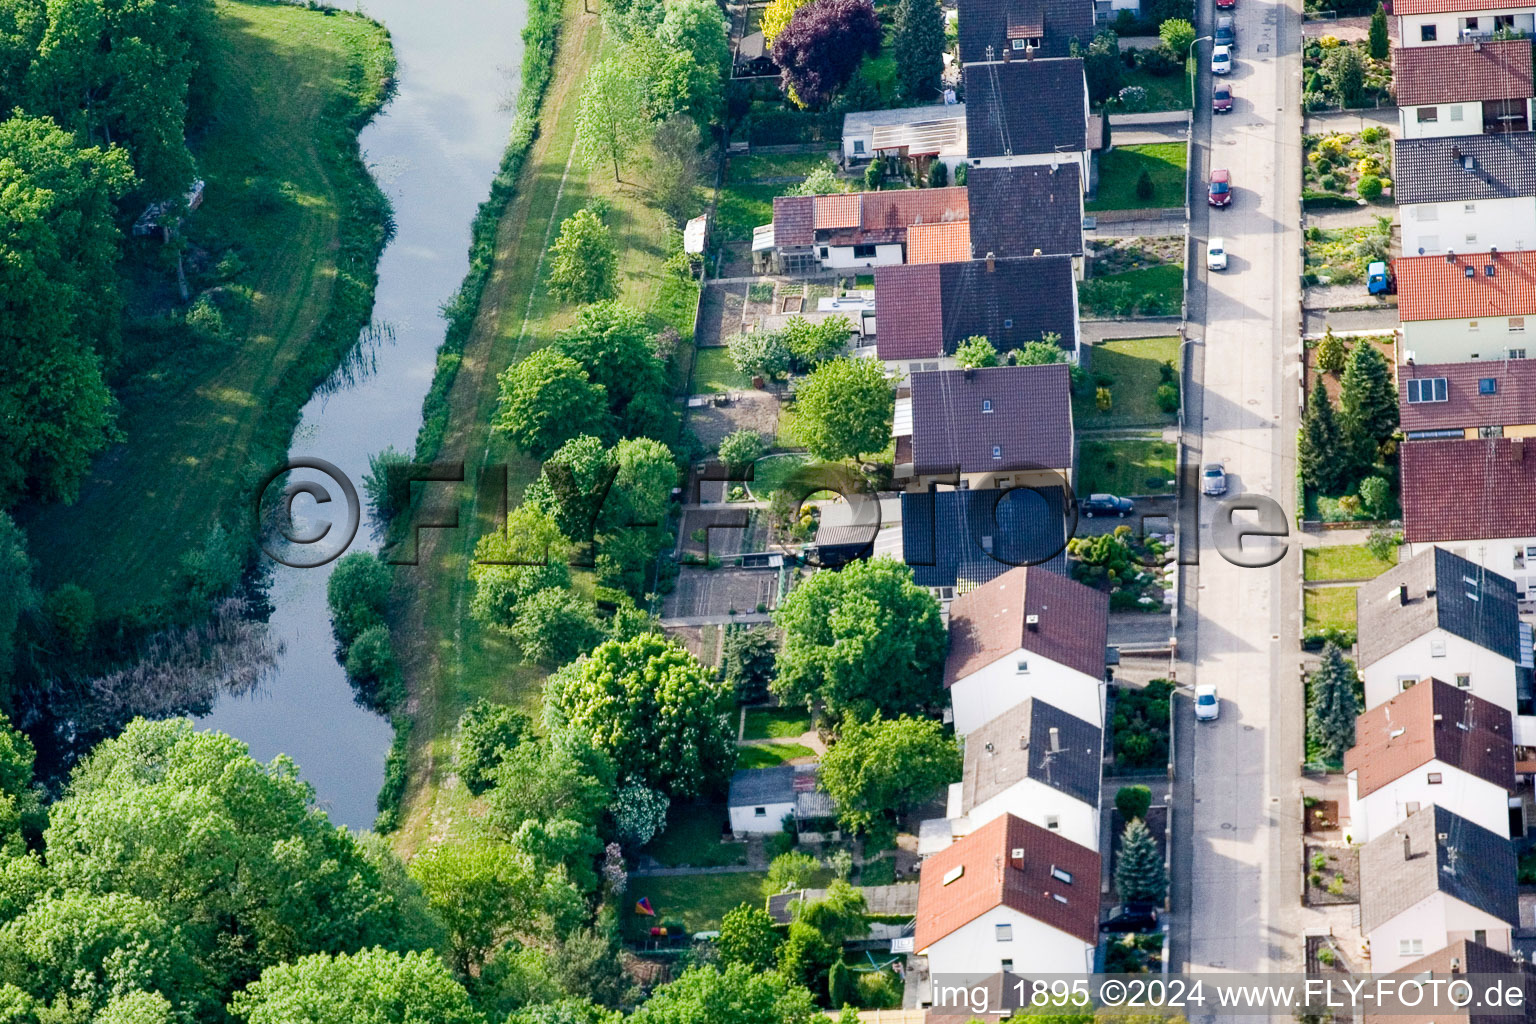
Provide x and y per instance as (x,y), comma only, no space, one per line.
(1016,858)
(1517,449)
(991,262)
(1407,847)
(1032,623)
(1029,52)
(1055,739)
(990,750)
(1402,594)
(1008,53)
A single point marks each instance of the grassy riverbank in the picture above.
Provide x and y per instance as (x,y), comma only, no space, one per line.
(288,195)
(449,659)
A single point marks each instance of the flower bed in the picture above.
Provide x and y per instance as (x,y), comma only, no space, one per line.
(1336,164)
(1324,76)
(1342,255)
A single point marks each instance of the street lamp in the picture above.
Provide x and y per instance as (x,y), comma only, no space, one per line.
(1193,73)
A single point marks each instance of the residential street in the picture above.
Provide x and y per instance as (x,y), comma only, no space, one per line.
(1238,857)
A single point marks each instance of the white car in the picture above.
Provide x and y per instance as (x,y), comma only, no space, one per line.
(1216,254)
(1221,60)
(1207,707)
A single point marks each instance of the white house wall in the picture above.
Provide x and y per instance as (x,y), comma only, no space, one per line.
(1041,805)
(1499,556)
(1452,27)
(841,257)
(745,819)
(1493,676)
(1475,799)
(1461,341)
(1433,229)
(989,691)
(1036,160)
(1449,119)
(1435,922)
(973,950)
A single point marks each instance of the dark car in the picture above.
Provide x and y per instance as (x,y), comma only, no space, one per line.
(1221,98)
(1220,193)
(1131,917)
(1105,505)
(1226,32)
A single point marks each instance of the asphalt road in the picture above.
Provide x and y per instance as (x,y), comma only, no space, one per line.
(1237,854)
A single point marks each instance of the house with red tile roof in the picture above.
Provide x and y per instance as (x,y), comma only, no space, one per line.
(1446,22)
(1009,896)
(1467,400)
(1463,88)
(1029,633)
(1432,744)
(1465,305)
(856,230)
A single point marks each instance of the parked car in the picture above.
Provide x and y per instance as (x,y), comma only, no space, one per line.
(1216,254)
(1207,707)
(1221,98)
(1131,917)
(1213,479)
(1225,5)
(1221,60)
(1105,505)
(1220,191)
(1226,32)
(1379,279)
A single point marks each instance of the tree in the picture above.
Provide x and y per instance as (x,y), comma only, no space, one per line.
(918,46)
(583,259)
(358,594)
(790,871)
(823,45)
(647,473)
(576,486)
(137,1007)
(1376,497)
(616,345)
(647,703)
(844,409)
(373,670)
(564,777)
(588,965)
(838,916)
(1318,455)
(1144,189)
(748,654)
(776,17)
(736,995)
(1332,705)
(487,733)
(1041,353)
(1345,70)
(1101,64)
(747,937)
(880,768)
(822,180)
(938,174)
(373,986)
(512,565)
(566,1011)
(1367,402)
(1380,45)
(806,957)
(61,315)
(975,352)
(1382,543)
(697,28)
(1331,352)
(547,399)
(813,344)
(861,640)
(611,121)
(639,814)
(1178,35)
(874,174)
(1133,802)
(17,595)
(1139,873)
(760,354)
(675,166)
(555,626)
(232,851)
(742,448)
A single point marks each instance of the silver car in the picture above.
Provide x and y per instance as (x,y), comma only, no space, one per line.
(1213,479)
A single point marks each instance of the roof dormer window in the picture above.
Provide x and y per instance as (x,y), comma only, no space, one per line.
(986,405)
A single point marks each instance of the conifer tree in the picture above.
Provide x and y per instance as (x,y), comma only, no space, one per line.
(1367,402)
(1139,873)
(1317,446)
(918,46)
(1331,704)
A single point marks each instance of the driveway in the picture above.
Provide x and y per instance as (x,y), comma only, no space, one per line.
(1237,857)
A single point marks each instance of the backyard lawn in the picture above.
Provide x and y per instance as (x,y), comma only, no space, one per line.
(1150,291)
(767,755)
(714,373)
(1131,369)
(772,471)
(1344,562)
(1329,608)
(1125,467)
(692,838)
(698,901)
(743,206)
(1120,168)
(1164,92)
(776,723)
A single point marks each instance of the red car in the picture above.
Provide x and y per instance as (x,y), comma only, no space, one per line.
(1220,192)
(1225,5)
(1221,98)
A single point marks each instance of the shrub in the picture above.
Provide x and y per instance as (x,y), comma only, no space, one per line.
(1133,801)
(1103,399)
(1382,542)
(357,592)
(1134,98)
(938,174)
(962,172)
(373,671)
(487,732)
(1372,134)
(1369,186)
(1144,185)
(1168,397)
(71,610)
(742,448)
(1376,497)
(874,174)
(1330,353)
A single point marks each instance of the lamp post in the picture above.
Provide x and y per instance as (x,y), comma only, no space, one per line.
(1194,73)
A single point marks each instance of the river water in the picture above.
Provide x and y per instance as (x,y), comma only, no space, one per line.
(434,151)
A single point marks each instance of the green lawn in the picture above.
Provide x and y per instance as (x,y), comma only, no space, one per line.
(692,838)
(770,754)
(743,206)
(1344,562)
(1130,368)
(1120,168)
(774,165)
(776,723)
(1125,467)
(1328,608)
(714,373)
(698,901)
(1148,291)
(772,471)
(1164,92)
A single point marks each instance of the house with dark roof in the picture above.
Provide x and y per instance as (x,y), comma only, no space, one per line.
(1463,88)
(1447,22)
(1010,893)
(924,311)
(761,798)
(1028,112)
(849,230)
(1465,305)
(1466,194)
(1030,210)
(1435,879)
(1036,762)
(1433,743)
(1028,634)
(1014,30)
(1457,961)
(956,540)
(995,426)
(1467,400)
(1438,614)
